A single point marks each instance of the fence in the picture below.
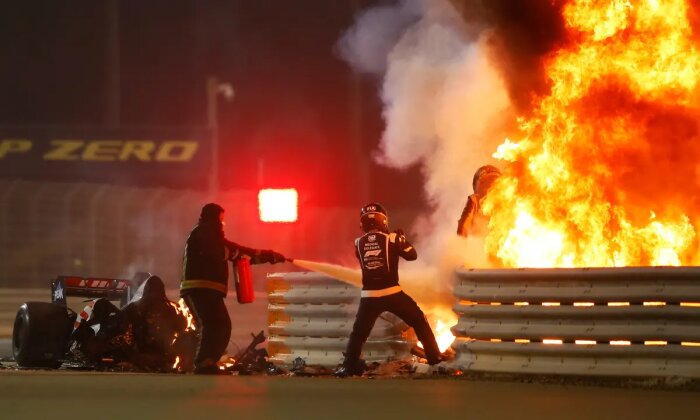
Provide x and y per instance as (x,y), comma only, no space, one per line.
(10,301)
(83,229)
(49,229)
(635,321)
(311,317)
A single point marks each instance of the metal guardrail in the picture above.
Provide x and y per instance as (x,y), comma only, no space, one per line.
(83,229)
(632,321)
(311,317)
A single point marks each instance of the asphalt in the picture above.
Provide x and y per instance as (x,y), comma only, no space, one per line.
(65,394)
(5,348)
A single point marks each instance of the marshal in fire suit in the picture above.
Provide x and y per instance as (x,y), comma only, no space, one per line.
(205,283)
(378,251)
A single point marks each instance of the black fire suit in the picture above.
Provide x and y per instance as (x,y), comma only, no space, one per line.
(204,285)
(379,253)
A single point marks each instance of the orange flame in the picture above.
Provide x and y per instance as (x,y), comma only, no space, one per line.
(441,319)
(443,335)
(606,171)
(183,310)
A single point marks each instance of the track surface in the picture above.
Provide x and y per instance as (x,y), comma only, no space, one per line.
(67,394)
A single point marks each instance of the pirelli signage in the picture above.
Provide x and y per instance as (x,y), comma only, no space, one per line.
(106,150)
(176,158)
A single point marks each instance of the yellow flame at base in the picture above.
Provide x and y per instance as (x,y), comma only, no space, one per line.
(182,309)
(441,319)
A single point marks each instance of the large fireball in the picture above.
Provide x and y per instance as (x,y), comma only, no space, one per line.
(607,170)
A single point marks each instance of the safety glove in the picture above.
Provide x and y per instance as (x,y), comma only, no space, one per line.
(278,258)
(272,257)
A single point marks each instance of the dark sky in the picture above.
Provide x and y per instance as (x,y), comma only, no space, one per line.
(300,116)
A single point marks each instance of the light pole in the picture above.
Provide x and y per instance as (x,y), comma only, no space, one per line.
(214,89)
(112,65)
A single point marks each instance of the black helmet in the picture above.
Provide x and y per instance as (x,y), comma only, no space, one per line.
(373,216)
(210,213)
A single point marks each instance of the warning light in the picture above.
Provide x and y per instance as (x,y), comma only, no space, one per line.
(278,205)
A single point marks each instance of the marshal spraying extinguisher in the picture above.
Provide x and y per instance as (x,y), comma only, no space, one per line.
(244,280)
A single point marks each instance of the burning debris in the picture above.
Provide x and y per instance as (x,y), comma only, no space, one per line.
(153,335)
(150,333)
(410,367)
(250,360)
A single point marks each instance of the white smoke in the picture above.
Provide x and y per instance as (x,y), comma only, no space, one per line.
(366,45)
(444,107)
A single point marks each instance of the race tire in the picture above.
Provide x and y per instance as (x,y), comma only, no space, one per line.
(40,335)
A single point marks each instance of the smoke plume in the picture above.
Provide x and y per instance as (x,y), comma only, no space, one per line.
(519,35)
(453,76)
(366,45)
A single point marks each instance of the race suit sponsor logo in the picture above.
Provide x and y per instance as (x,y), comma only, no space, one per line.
(372,238)
(373,253)
(373,265)
(373,257)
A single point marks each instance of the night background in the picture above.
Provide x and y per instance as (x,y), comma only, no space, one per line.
(570,291)
(300,118)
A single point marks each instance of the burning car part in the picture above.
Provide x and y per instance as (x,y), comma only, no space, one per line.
(250,359)
(147,333)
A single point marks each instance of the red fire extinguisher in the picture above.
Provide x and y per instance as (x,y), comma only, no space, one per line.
(244,281)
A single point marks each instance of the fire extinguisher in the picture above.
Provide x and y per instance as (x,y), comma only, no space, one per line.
(244,280)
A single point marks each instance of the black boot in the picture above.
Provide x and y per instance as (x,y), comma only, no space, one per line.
(209,367)
(351,369)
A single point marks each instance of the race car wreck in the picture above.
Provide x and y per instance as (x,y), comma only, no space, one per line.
(148,333)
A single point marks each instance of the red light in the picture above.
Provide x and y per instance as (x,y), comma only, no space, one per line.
(278,205)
